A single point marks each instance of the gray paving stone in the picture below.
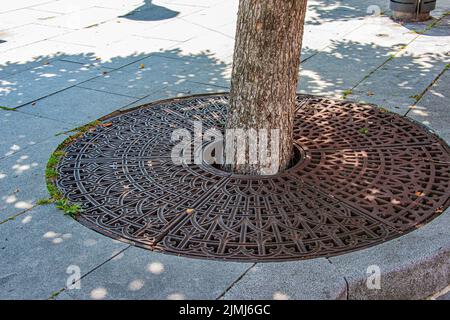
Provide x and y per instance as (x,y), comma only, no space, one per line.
(30,85)
(83,18)
(22,177)
(340,67)
(414,266)
(63,6)
(142,274)
(308,279)
(176,30)
(433,110)
(187,89)
(126,51)
(38,247)
(215,45)
(40,53)
(16,37)
(77,105)
(19,131)
(19,4)
(156,72)
(208,18)
(21,17)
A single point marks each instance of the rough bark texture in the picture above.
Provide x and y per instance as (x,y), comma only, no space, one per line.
(265,72)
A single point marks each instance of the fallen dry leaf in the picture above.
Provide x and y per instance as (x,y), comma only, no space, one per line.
(189,211)
(142,66)
(108,124)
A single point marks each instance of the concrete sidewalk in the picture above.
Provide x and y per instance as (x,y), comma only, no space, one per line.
(65,63)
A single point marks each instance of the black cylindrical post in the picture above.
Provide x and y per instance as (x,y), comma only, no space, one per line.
(412,10)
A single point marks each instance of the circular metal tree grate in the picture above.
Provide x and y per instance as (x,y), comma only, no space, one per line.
(366,176)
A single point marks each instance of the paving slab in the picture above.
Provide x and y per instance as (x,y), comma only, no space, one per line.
(309,279)
(176,30)
(39,246)
(63,6)
(121,53)
(19,4)
(397,84)
(433,110)
(142,274)
(83,18)
(208,18)
(36,83)
(77,105)
(214,44)
(171,91)
(22,177)
(21,17)
(414,266)
(27,34)
(19,131)
(156,72)
(346,63)
(40,53)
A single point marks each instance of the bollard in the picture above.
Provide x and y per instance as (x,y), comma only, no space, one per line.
(412,10)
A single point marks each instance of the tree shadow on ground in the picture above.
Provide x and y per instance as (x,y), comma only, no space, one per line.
(320,11)
(150,12)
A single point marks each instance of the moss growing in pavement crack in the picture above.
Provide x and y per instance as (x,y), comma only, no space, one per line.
(7,108)
(44,201)
(346,93)
(69,208)
(51,174)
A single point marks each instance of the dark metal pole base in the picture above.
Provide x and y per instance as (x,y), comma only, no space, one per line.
(410,16)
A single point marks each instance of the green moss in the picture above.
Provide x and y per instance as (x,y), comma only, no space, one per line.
(51,173)
(69,208)
(44,201)
(363,130)
(7,108)
(346,93)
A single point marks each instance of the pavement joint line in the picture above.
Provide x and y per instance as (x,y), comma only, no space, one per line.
(209,84)
(391,57)
(30,146)
(83,63)
(29,7)
(235,281)
(323,48)
(81,82)
(104,91)
(18,214)
(97,267)
(343,277)
(446,68)
(41,116)
(204,27)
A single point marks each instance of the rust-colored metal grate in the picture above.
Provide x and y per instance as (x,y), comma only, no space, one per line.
(365,176)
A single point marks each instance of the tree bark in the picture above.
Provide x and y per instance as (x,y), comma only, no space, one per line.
(265,74)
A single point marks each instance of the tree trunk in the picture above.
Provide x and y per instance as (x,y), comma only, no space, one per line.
(264,78)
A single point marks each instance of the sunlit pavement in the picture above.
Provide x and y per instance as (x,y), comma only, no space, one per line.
(65,63)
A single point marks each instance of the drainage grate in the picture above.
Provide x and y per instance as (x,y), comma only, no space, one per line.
(366,176)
